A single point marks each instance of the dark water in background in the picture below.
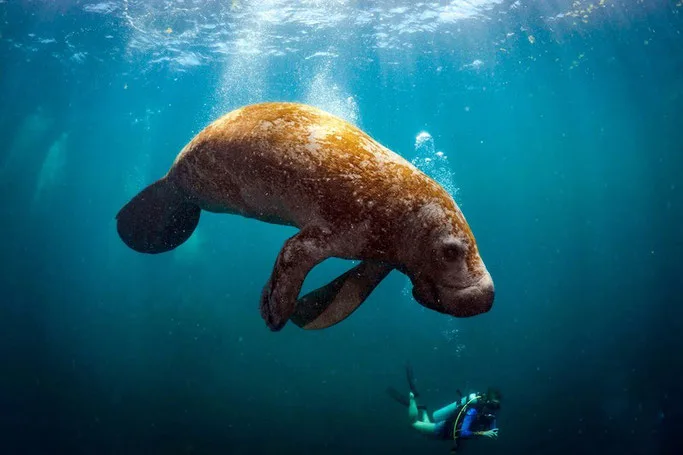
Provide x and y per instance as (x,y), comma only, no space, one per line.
(565,144)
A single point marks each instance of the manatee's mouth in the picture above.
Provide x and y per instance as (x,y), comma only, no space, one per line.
(461,302)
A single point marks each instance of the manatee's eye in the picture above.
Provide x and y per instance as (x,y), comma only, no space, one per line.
(453,251)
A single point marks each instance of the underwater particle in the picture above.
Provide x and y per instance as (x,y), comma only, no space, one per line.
(531,39)
(433,162)
(125,86)
(424,139)
(467,108)
(646,42)
(475,65)
(324,93)
(168,31)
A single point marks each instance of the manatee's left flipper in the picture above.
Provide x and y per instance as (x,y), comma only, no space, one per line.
(334,302)
(297,257)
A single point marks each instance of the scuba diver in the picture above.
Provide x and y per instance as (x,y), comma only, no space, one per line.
(471,416)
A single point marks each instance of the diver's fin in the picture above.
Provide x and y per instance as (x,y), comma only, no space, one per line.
(337,300)
(411,380)
(402,399)
(398,396)
(158,219)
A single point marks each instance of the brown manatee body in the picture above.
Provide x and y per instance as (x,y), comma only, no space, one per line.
(350,197)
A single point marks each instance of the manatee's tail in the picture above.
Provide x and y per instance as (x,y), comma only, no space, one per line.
(158,219)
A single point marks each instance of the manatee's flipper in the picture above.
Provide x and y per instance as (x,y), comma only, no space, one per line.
(297,257)
(334,302)
(158,219)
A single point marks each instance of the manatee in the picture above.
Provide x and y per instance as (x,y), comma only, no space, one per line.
(350,197)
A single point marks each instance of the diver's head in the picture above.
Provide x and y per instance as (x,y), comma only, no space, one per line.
(445,267)
(492,399)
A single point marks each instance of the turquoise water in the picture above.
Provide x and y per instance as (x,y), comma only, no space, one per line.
(556,125)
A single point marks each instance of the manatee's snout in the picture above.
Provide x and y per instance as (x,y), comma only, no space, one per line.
(461,302)
(470,301)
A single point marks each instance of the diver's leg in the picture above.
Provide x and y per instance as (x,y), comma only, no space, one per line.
(425,427)
(412,409)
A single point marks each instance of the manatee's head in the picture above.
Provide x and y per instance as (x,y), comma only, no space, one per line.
(447,273)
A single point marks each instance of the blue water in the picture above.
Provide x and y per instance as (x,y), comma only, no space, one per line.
(557,125)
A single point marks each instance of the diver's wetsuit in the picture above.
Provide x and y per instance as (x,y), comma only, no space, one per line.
(468,417)
(474,420)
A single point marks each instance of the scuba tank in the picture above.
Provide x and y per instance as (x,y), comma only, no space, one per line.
(449,410)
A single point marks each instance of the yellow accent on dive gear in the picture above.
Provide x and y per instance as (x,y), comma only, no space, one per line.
(457,419)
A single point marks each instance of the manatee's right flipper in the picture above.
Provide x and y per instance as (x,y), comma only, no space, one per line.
(334,302)
(158,219)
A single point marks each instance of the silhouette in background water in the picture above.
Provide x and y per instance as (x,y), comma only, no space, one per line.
(469,417)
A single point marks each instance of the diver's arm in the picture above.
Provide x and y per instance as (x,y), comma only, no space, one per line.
(467,422)
(492,433)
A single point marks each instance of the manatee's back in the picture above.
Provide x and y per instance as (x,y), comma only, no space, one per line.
(290,164)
